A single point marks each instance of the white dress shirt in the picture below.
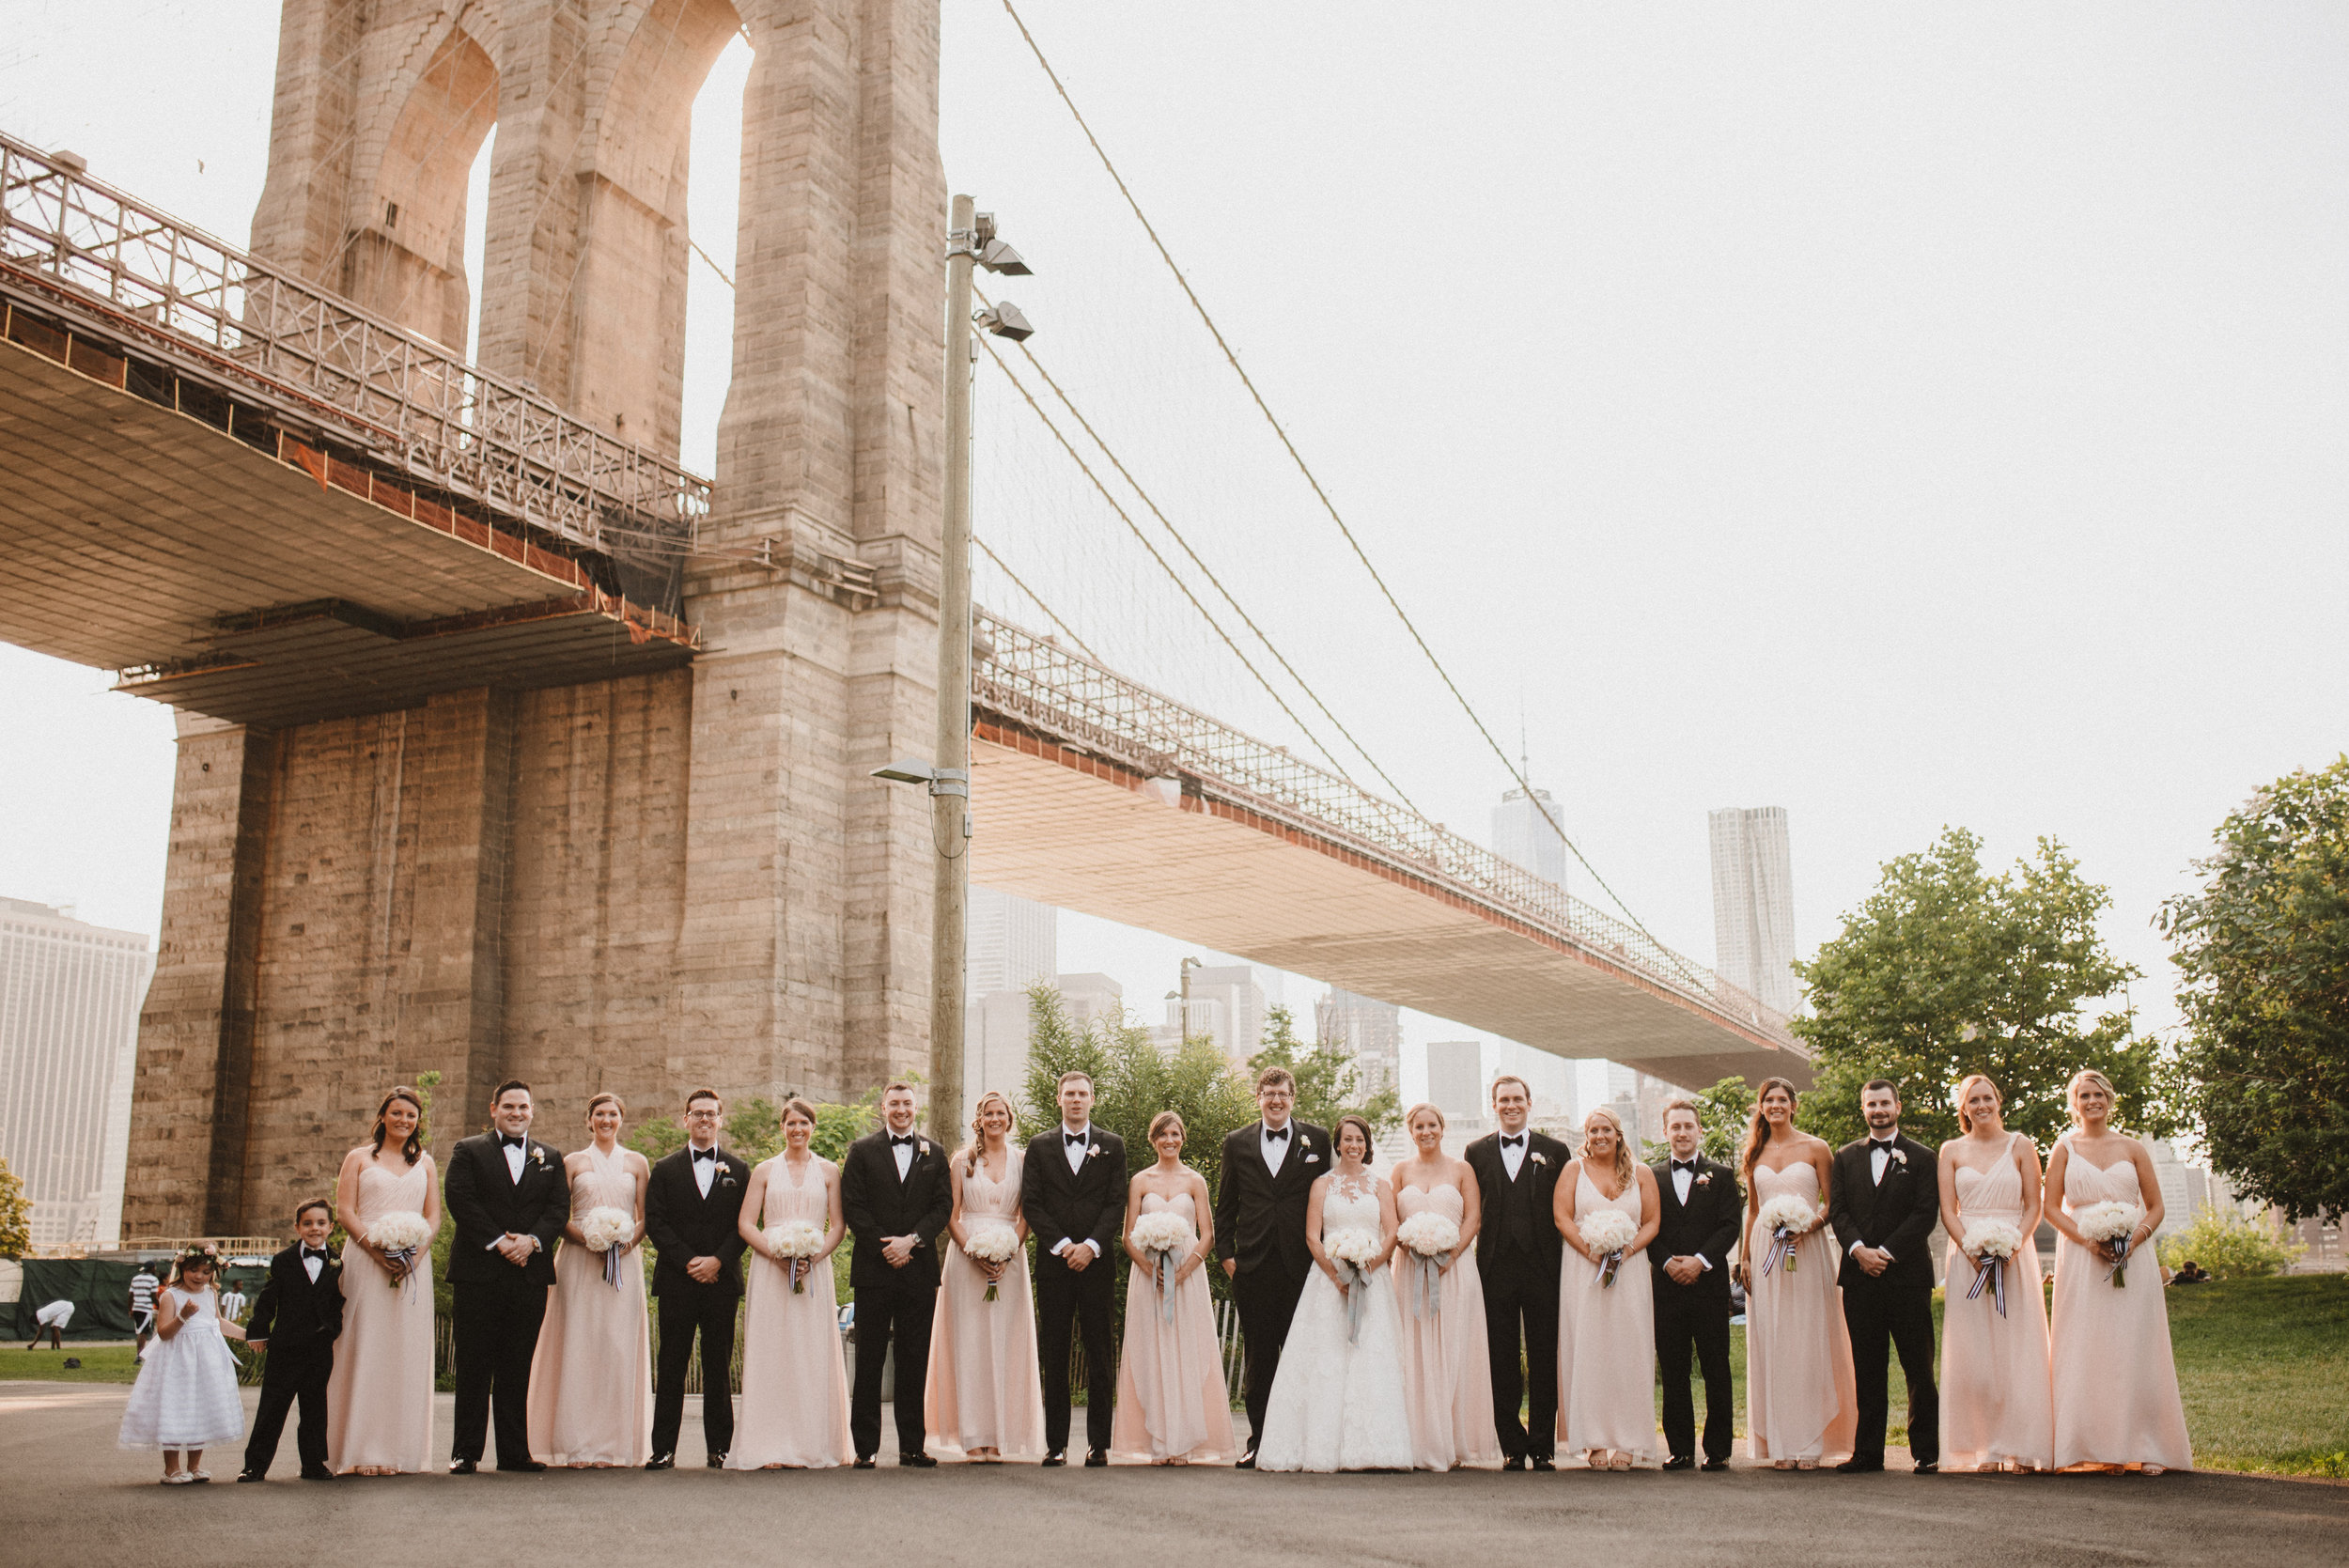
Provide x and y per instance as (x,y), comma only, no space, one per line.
(1076,1153)
(1276,1150)
(706,1171)
(313,1265)
(1879,1161)
(513,1152)
(902,1153)
(1513,1155)
(1683,1182)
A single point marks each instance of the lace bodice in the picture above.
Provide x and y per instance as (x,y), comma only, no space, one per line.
(985,1198)
(1993,1194)
(1342,1211)
(605,1182)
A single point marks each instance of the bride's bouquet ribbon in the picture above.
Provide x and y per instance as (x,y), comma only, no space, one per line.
(1358,1283)
(1992,1272)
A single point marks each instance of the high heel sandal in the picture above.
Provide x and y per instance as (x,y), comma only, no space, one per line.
(1622,1461)
(1805,1463)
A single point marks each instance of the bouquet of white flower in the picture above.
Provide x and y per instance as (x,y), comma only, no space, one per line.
(399,1236)
(994,1243)
(1991,1243)
(1431,1239)
(1353,1249)
(605,1229)
(1163,1235)
(2111,1222)
(1611,1230)
(1787,1218)
(800,1240)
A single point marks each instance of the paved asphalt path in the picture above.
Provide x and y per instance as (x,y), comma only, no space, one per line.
(70,1496)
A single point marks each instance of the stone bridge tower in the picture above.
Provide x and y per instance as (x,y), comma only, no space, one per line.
(642,883)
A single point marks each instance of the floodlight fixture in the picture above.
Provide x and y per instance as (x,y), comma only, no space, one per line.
(998,257)
(1003,320)
(906,771)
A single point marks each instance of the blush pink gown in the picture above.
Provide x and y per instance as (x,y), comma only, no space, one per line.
(984,1390)
(795,1384)
(1995,1395)
(591,1380)
(2115,1384)
(1606,1341)
(1447,1381)
(379,1397)
(1801,1400)
(1172,1399)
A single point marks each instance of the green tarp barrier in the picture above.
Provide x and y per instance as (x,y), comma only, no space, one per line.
(101,1293)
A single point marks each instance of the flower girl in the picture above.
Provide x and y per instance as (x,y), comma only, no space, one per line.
(186,1395)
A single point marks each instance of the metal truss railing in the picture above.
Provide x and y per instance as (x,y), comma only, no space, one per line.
(1059,692)
(421,407)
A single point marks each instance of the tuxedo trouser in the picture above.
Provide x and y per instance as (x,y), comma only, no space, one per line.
(1520,1294)
(1266,1299)
(900,1310)
(1880,1322)
(1688,1317)
(1088,1302)
(496,1330)
(686,1310)
(302,1376)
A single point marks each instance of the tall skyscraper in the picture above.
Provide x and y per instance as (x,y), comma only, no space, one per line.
(1753,903)
(1234,1016)
(1455,1077)
(1010,944)
(1368,1031)
(70,996)
(1522,836)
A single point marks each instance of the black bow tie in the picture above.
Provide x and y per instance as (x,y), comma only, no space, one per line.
(318,1252)
(1277,1135)
(1516,1140)
(1067,1137)
(709,1154)
(1690,1165)
(509,1141)
(907,1140)
(1884,1144)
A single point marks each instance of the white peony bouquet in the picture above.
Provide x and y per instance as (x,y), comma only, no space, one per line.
(399,1236)
(1431,1239)
(2111,1222)
(1611,1230)
(993,1243)
(1991,1242)
(1786,1218)
(1354,1249)
(800,1240)
(1163,1235)
(606,1231)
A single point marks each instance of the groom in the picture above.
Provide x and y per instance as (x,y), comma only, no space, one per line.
(1698,1206)
(1269,1172)
(1885,1199)
(1072,1190)
(895,1195)
(1517,1255)
(510,1199)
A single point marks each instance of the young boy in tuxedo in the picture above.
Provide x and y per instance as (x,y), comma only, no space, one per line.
(296,1321)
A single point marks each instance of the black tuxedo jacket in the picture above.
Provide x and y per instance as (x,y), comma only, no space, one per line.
(295,1315)
(487,1203)
(1707,1223)
(1521,1226)
(1259,1217)
(1085,1204)
(876,1205)
(684,1225)
(1898,1215)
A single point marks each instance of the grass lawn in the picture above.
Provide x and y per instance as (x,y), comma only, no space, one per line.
(100,1363)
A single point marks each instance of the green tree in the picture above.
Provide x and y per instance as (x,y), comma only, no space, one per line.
(1946,970)
(2231,1246)
(1134,1081)
(1329,1085)
(2261,1076)
(16,1215)
(1724,1110)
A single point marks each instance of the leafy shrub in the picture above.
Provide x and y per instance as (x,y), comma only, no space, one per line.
(2231,1246)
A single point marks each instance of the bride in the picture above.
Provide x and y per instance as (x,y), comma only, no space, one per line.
(1337,1402)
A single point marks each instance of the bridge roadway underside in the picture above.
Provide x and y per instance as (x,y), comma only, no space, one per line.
(1068,830)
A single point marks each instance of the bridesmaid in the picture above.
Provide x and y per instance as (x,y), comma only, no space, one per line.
(1173,1404)
(984,1398)
(1801,1402)
(1995,1410)
(591,1380)
(1447,1379)
(1605,1333)
(2116,1387)
(379,1397)
(795,1385)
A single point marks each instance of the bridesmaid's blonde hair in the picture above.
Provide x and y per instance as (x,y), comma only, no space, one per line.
(977,1145)
(1965,1086)
(2071,1091)
(1431,1108)
(1624,1163)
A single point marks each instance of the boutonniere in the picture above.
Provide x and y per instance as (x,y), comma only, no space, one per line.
(1540,1159)
(537,1155)
(1704,1178)
(1092,1149)
(1900,1156)
(925,1147)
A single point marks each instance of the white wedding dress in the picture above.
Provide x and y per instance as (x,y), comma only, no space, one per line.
(1338,1405)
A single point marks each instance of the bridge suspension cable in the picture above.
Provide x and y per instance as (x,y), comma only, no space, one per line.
(1322,495)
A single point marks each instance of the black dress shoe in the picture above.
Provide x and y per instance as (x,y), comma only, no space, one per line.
(1860,1466)
(1054,1460)
(1245,1462)
(1680,1462)
(864,1462)
(917,1462)
(1543,1462)
(716,1461)
(523,1467)
(252,1475)
(1515,1462)
(1925,1467)
(462,1467)
(662,1461)
(1095,1459)
(317,1472)
(1715,1465)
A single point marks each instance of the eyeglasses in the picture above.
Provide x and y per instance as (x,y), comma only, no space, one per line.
(701,1116)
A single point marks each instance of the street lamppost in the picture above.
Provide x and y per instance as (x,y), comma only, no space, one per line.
(970,241)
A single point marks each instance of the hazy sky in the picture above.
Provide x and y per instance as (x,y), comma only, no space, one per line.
(1902,415)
